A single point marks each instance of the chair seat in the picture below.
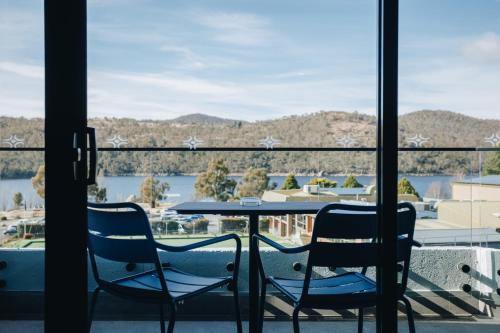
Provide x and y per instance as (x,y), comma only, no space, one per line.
(347,290)
(180,285)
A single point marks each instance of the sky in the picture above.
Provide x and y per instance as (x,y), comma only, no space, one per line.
(258,60)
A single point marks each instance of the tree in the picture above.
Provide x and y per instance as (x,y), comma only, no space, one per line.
(491,165)
(253,183)
(323,182)
(152,190)
(405,187)
(38,182)
(351,182)
(215,183)
(97,192)
(18,199)
(290,183)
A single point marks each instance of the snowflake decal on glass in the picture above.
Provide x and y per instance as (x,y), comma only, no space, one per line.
(192,142)
(13,141)
(494,140)
(269,142)
(418,140)
(117,141)
(346,141)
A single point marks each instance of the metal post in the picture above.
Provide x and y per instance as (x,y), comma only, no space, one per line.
(65,193)
(387,164)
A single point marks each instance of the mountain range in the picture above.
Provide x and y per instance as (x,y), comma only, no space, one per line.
(426,128)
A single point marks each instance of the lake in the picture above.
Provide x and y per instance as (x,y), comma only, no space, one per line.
(182,187)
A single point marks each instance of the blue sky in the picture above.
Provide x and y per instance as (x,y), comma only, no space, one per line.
(258,60)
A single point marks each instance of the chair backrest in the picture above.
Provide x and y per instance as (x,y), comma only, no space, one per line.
(345,236)
(120,232)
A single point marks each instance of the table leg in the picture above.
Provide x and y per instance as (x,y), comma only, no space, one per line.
(253,277)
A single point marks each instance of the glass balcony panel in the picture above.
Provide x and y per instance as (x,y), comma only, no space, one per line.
(22,211)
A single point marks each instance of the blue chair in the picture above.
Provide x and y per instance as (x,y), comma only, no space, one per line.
(121,232)
(351,290)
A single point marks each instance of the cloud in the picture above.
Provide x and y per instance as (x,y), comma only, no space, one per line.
(240,29)
(485,48)
(186,84)
(164,96)
(454,86)
(30,71)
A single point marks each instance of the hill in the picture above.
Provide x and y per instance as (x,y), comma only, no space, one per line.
(202,119)
(320,129)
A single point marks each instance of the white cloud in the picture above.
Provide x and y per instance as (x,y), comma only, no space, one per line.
(454,86)
(485,48)
(155,96)
(22,92)
(191,85)
(30,71)
(239,29)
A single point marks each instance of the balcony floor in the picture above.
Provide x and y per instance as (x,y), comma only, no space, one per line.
(436,326)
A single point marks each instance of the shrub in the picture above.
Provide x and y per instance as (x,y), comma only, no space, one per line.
(233,224)
(323,182)
(3,218)
(264,225)
(172,226)
(199,226)
(351,182)
(28,236)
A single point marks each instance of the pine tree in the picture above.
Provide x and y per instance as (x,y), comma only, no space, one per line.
(405,187)
(290,183)
(351,182)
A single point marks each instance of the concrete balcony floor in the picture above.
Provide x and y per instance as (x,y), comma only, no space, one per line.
(435,326)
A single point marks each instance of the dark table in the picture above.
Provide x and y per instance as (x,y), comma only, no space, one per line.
(253,212)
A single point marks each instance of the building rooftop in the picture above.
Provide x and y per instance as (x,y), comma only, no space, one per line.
(484,180)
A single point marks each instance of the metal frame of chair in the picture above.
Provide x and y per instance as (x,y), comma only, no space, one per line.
(351,290)
(121,232)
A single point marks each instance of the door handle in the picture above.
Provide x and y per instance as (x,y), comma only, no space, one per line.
(79,147)
(92,170)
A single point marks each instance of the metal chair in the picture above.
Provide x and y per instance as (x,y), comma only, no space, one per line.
(351,290)
(121,232)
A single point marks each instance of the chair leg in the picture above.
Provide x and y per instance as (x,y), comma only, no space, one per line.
(360,320)
(162,319)
(95,294)
(409,314)
(295,318)
(171,320)
(237,307)
(262,304)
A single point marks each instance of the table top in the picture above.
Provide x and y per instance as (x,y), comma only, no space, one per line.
(234,208)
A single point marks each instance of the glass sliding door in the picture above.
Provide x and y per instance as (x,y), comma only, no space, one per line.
(22,153)
(279,97)
(449,127)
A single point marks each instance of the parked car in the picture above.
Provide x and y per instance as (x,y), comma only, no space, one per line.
(11,230)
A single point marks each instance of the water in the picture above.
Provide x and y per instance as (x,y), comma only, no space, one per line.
(182,187)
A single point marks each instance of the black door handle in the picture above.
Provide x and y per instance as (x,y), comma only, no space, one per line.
(80,170)
(92,169)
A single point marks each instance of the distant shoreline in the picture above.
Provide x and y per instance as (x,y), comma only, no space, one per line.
(270,175)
